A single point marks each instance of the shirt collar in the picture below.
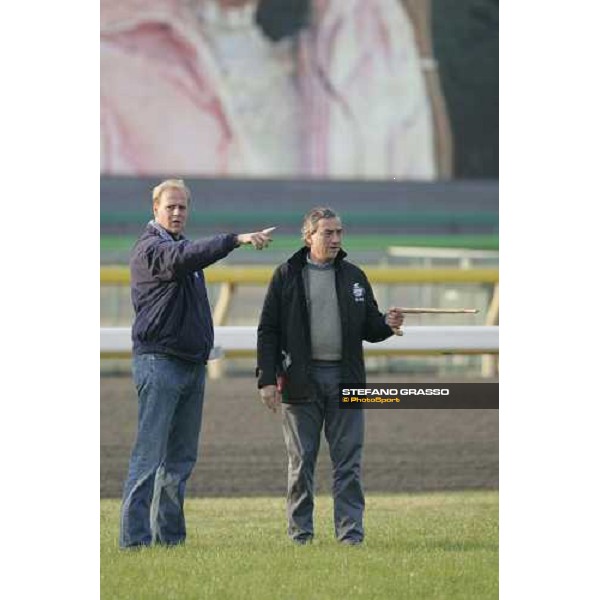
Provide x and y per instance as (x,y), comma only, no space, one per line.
(322,266)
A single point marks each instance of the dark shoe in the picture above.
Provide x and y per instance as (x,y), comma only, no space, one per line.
(302,541)
(351,542)
(171,545)
(134,547)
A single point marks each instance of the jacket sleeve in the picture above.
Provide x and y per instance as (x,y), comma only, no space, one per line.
(375,328)
(269,333)
(167,260)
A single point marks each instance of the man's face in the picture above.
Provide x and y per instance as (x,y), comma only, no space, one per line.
(171,210)
(326,241)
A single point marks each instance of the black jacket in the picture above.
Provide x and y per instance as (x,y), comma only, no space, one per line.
(284,345)
(172,313)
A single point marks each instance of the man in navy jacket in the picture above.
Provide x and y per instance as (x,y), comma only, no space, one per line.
(172,339)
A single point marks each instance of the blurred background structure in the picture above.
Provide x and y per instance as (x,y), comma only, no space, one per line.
(386,111)
(388,225)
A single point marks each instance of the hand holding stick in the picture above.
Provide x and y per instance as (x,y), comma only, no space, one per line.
(395,315)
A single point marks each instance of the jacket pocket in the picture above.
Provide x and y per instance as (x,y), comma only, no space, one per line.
(297,382)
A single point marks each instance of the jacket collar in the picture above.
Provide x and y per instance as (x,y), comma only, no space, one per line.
(154,227)
(298,260)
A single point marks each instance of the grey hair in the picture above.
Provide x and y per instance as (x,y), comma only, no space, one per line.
(312,218)
(169,184)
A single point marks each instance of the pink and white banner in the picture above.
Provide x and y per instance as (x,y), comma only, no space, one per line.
(205,88)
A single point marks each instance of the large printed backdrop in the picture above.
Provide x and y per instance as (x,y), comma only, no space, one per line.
(284,88)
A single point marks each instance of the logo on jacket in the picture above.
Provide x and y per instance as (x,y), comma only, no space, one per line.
(358,292)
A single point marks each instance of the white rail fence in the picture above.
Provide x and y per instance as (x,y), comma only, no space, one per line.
(240,341)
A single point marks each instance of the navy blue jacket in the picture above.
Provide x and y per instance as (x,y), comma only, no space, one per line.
(172,313)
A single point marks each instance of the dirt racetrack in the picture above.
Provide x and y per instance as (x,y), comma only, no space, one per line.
(242,451)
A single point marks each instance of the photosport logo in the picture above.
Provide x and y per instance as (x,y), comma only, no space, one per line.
(419,395)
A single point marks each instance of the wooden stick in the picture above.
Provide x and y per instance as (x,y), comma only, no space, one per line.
(445,311)
(437,311)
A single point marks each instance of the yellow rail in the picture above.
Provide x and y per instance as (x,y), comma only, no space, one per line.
(118,275)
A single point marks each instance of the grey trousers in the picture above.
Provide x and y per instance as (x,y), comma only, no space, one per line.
(344,432)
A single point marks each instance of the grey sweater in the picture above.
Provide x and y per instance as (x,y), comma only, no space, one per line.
(324,312)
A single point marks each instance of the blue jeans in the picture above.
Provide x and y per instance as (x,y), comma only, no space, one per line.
(170,398)
(344,431)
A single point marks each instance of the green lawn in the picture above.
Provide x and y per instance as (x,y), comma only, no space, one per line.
(421,546)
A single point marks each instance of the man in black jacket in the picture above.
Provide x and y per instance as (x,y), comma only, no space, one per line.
(318,310)
(172,339)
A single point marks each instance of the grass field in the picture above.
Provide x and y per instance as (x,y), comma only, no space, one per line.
(421,546)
